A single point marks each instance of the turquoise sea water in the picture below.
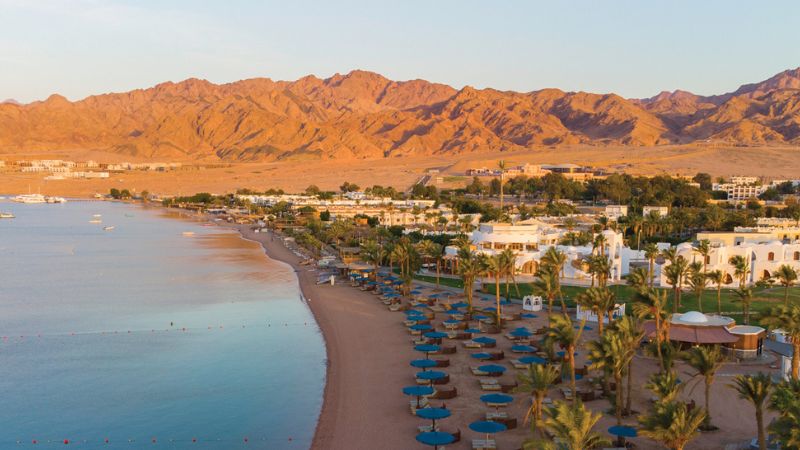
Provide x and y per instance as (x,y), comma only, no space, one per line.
(141,333)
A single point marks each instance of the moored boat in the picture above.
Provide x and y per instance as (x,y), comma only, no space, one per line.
(6,215)
(29,198)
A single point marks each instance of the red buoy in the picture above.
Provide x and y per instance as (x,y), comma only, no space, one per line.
(35,441)
(194,440)
(66,441)
(245,440)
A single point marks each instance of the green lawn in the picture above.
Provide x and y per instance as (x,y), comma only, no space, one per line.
(763,298)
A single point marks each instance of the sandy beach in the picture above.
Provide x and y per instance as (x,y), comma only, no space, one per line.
(369,349)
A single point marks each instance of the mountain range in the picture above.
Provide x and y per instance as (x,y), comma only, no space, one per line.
(365,115)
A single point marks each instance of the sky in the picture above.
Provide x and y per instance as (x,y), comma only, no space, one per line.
(634,48)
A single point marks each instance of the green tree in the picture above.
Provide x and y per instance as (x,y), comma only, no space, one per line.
(755,389)
(717,277)
(672,424)
(787,277)
(705,360)
(787,319)
(573,426)
(567,337)
(536,381)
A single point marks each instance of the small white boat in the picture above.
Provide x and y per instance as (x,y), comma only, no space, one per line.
(55,200)
(97,216)
(108,228)
(6,215)
(95,221)
(188,233)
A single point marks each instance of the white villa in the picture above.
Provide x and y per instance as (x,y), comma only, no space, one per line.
(530,240)
(764,253)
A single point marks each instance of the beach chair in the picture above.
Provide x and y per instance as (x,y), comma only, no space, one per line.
(442,362)
(567,393)
(508,387)
(477,372)
(471,344)
(518,365)
(448,349)
(484,444)
(497,356)
(445,393)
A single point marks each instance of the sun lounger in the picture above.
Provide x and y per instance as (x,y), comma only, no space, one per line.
(491,387)
(508,387)
(445,393)
(484,444)
(496,415)
(442,362)
(567,392)
(477,372)
(496,356)
(471,344)
(448,349)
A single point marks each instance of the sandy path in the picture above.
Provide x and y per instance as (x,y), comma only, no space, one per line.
(368,356)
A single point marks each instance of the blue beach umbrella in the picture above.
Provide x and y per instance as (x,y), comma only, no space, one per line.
(434,295)
(528,316)
(459,305)
(492,368)
(427,348)
(484,340)
(521,332)
(472,331)
(497,399)
(416,292)
(487,427)
(585,327)
(431,375)
(417,391)
(479,317)
(452,321)
(433,414)
(435,335)
(423,363)
(622,431)
(421,327)
(481,355)
(435,438)
(522,349)
(504,302)
(532,360)
(563,353)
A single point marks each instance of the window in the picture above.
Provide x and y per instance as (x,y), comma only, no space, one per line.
(771,256)
(487,245)
(797,256)
(515,246)
(531,247)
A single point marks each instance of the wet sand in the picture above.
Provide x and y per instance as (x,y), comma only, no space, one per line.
(368,356)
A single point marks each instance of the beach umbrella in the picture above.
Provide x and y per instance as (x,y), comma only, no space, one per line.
(528,316)
(435,335)
(435,438)
(459,305)
(504,302)
(434,295)
(423,363)
(418,391)
(416,292)
(431,375)
(391,295)
(421,327)
(487,427)
(433,414)
(479,316)
(497,399)
(412,311)
(563,353)
(585,327)
(452,321)
(481,355)
(371,283)
(622,431)
(522,349)
(472,330)
(520,332)
(532,360)
(492,368)
(484,340)
(427,348)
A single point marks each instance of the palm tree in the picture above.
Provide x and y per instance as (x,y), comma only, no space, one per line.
(672,424)
(556,259)
(787,319)
(599,301)
(665,385)
(703,248)
(572,424)
(567,337)
(600,267)
(470,267)
(746,297)
(755,389)
(496,267)
(741,268)
(651,252)
(546,285)
(433,251)
(697,282)
(676,273)
(372,253)
(599,244)
(502,166)
(510,263)
(787,276)
(538,379)
(653,304)
(786,401)
(637,278)
(717,277)
(608,354)
(705,360)
(630,331)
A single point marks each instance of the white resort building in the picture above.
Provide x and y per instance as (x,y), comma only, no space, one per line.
(530,240)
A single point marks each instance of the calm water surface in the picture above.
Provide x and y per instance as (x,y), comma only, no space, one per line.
(93,343)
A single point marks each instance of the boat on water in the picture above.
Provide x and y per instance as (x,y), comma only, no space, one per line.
(95,221)
(188,233)
(6,215)
(108,228)
(30,198)
(97,216)
(55,200)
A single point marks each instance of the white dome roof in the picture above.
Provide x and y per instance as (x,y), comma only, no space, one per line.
(694,317)
(684,246)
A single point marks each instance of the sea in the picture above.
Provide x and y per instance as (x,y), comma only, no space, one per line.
(163,332)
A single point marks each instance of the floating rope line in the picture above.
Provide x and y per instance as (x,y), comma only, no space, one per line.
(175,330)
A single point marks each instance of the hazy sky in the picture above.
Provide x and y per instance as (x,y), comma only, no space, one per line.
(635,48)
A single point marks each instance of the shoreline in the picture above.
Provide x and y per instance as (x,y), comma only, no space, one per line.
(366,358)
